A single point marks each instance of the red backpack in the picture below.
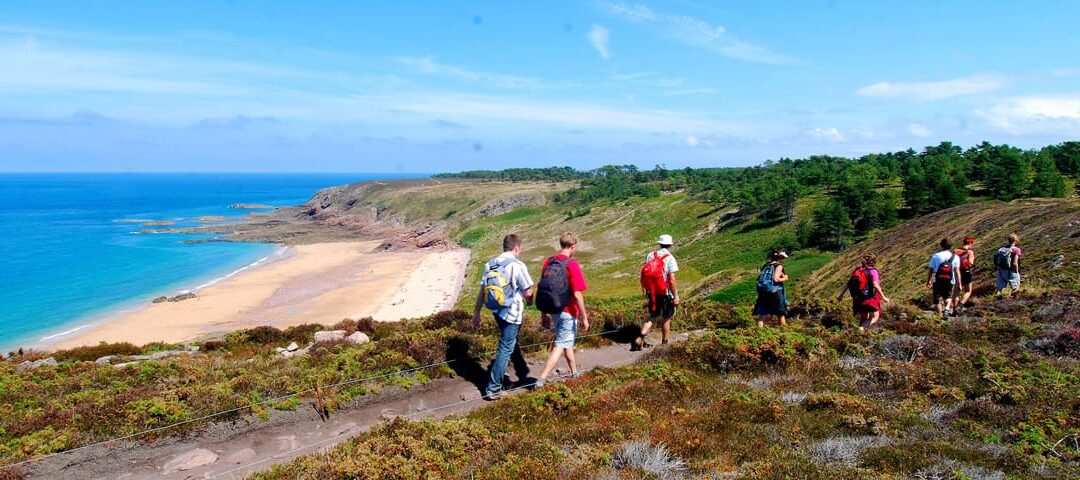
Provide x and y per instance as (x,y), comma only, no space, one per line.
(653,280)
(860,286)
(944,270)
(965,259)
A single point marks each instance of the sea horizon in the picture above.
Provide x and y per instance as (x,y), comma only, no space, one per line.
(79,254)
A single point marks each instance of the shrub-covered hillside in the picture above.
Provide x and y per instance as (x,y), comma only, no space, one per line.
(1049,234)
(989,396)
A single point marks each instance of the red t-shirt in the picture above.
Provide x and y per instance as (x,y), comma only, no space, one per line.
(577,282)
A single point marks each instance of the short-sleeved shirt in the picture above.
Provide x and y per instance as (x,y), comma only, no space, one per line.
(520,281)
(577,282)
(875,276)
(670,264)
(942,257)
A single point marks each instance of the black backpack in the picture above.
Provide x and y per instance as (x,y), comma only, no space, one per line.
(1003,258)
(553,292)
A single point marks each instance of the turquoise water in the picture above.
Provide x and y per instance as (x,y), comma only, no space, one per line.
(70,253)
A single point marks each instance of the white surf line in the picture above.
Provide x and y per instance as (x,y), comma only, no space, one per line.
(65,332)
(278,254)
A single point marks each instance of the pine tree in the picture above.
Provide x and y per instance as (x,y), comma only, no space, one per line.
(916,192)
(1007,173)
(833,229)
(1047,182)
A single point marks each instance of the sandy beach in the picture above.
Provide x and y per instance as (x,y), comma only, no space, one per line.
(318,283)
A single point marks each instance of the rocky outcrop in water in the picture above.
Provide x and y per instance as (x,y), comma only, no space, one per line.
(177,298)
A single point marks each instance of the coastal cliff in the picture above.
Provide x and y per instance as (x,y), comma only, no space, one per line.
(404,214)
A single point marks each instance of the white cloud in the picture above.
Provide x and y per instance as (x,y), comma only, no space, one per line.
(697,33)
(688,91)
(828,135)
(598,38)
(501,109)
(428,65)
(934,90)
(1036,114)
(692,141)
(919,130)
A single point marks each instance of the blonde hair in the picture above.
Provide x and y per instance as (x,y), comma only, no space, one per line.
(1014,238)
(567,239)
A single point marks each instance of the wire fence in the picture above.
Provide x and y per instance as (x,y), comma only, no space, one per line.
(299,393)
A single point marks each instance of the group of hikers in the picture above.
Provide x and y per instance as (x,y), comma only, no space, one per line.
(506,288)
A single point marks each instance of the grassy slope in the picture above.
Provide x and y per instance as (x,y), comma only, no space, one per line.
(1047,228)
(616,236)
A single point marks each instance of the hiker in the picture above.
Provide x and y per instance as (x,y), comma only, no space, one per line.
(864,285)
(967,262)
(944,274)
(1007,264)
(505,289)
(771,299)
(560,295)
(661,290)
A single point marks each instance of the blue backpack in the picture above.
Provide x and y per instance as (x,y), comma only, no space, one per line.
(765,281)
(499,291)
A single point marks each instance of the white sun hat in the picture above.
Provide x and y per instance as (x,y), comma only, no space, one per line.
(665,240)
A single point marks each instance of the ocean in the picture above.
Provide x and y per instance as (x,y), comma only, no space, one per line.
(71,251)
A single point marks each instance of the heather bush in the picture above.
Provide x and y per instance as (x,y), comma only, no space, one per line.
(727,351)
(94,352)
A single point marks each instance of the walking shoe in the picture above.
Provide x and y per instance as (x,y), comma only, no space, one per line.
(540,382)
(646,345)
(492,396)
(635,346)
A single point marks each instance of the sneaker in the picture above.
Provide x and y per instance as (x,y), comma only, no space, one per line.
(637,343)
(663,342)
(540,382)
(492,396)
(646,345)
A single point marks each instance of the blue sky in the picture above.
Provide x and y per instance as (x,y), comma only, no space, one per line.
(438,86)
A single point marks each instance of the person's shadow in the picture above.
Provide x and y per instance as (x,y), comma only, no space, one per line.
(466,365)
(621,333)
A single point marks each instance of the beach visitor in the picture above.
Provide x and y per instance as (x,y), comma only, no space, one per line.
(867,296)
(943,276)
(771,298)
(505,289)
(1007,264)
(661,290)
(560,296)
(967,263)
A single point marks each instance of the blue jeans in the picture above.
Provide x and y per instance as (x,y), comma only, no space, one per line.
(508,350)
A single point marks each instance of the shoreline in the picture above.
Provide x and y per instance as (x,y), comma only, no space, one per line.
(318,283)
(48,339)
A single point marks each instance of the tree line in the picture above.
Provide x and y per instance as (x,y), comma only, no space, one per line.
(858,195)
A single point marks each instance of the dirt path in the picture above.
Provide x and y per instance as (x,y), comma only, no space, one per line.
(232,451)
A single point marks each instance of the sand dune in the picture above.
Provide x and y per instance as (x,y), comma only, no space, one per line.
(317,283)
